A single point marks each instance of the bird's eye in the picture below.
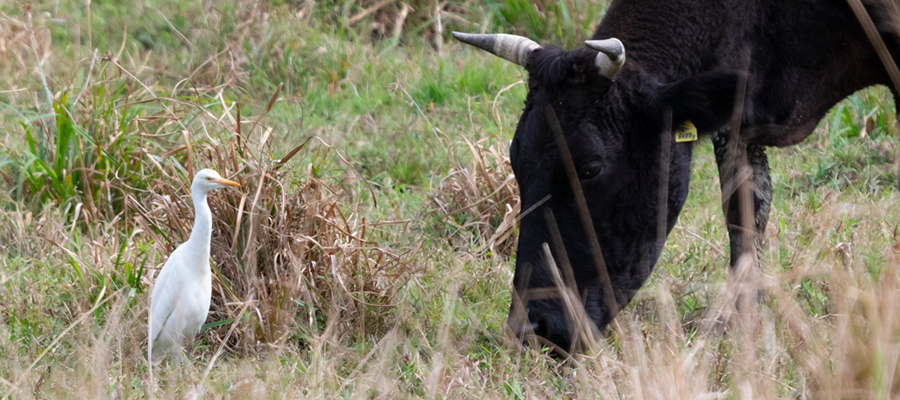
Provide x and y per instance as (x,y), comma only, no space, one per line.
(209,178)
(589,170)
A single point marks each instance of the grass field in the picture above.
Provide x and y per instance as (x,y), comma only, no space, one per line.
(369,251)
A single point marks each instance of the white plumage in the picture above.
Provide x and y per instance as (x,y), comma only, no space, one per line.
(180,299)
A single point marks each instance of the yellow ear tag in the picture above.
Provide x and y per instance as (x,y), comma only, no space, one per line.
(687,132)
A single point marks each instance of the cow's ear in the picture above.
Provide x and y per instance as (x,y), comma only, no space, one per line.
(705,99)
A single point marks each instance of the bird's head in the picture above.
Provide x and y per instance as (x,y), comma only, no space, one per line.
(207,179)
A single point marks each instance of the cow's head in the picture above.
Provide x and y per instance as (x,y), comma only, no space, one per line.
(613,117)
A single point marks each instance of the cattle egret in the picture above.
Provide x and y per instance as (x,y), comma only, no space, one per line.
(180,299)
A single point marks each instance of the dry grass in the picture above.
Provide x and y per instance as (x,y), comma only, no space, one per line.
(481,201)
(19,45)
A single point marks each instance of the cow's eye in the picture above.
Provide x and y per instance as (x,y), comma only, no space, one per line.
(589,170)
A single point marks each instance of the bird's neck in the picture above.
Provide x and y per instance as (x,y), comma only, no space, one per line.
(202,231)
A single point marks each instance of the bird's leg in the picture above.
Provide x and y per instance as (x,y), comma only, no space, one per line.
(178,353)
(189,350)
(746,194)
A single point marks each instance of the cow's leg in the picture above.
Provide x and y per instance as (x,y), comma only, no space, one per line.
(731,156)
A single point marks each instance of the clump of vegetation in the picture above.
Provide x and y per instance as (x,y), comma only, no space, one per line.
(480,202)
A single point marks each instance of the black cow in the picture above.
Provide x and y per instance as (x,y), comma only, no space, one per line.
(786,62)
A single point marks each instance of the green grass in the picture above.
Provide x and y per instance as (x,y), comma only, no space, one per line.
(391,137)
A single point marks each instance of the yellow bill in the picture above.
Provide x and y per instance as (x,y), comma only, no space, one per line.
(227,182)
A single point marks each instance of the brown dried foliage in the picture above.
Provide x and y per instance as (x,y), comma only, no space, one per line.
(21,44)
(481,201)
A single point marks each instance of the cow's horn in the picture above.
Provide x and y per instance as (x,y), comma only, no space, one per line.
(611,56)
(509,47)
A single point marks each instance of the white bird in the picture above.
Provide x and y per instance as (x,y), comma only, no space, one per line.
(180,300)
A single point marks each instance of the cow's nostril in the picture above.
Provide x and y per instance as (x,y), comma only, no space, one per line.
(524,328)
(551,330)
(540,327)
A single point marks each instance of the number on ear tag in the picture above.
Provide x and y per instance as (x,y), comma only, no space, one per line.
(687,132)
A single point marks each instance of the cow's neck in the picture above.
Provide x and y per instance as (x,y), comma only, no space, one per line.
(672,40)
(801,58)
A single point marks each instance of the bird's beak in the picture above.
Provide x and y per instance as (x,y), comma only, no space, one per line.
(227,182)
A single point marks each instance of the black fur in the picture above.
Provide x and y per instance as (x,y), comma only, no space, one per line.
(798,58)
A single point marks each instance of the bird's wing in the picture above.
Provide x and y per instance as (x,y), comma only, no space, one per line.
(165,294)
